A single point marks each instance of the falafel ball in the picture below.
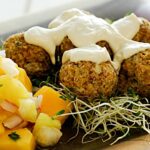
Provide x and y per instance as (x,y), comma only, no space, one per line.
(143,34)
(88,80)
(135,74)
(67,45)
(34,59)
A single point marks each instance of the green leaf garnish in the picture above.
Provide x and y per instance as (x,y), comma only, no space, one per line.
(14,136)
(60,112)
(63,97)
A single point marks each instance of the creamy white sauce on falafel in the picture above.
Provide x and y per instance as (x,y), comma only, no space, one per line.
(81,30)
(93,53)
(84,30)
(130,48)
(66,15)
(128,26)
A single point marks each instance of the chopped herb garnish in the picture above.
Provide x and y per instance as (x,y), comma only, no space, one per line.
(60,112)
(131,92)
(63,97)
(14,136)
(52,118)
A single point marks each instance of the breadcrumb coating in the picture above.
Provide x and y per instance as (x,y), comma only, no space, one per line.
(34,59)
(143,34)
(135,74)
(88,80)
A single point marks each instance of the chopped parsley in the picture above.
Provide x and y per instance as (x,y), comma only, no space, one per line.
(63,97)
(14,136)
(60,112)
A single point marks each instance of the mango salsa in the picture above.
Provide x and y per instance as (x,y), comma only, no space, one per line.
(8,67)
(44,120)
(4,114)
(2,129)
(12,90)
(24,141)
(24,79)
(27,110)
(52,103)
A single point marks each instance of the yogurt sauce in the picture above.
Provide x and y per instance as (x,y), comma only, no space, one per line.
(84,30)
(129,49)
(128,26)
(81,30)
(64,16)
(93,53)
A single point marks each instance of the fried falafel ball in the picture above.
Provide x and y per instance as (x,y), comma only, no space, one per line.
(34,59)
(67,45)
(135,74)
(86,82)
(143,34)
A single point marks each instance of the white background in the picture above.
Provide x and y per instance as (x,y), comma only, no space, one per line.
(10,9)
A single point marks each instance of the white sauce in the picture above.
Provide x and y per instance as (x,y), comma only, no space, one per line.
(91,53)
(129,49)
(128,26)
(66,15)
(9,67)
(83,31)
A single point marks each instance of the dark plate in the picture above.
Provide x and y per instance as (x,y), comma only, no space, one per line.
(76,144)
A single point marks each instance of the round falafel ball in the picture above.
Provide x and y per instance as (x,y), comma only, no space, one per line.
(89,80)
(143,34)
(34,59)
(135,74)
(67,45)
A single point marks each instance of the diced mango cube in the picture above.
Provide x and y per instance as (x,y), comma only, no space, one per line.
(52,103)
(12,90)
(24,79)
(25,141)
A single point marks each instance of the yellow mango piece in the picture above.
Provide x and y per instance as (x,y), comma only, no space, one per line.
(44,120)
(24,79)
(1,72)
(25,141)
(27,110)
(2,129)
(52,103)
(12,90)
(8,65)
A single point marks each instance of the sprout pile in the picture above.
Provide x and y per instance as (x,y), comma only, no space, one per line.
(105,118)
